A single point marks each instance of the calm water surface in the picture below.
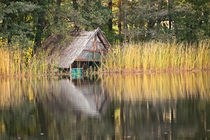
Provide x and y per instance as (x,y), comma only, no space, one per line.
(114,107)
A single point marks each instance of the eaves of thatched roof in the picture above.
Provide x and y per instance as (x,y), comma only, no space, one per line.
(71,52)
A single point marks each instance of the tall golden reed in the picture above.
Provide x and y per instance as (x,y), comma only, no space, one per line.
(157,56)
(20,62)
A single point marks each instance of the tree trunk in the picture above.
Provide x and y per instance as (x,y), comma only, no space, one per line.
(125,21)
(75,4)
(119,17)
(110,20)
(169,14)
(39,31)
(57,8)
(40,27)
(38,37)
(159,19)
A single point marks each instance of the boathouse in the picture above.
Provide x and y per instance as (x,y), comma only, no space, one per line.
(83,48)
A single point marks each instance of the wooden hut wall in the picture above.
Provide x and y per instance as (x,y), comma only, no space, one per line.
(91,53)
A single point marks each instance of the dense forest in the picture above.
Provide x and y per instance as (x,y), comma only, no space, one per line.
(31,21)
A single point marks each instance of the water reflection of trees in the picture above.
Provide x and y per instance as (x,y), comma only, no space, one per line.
(180,120)
(141,107)
(172,106)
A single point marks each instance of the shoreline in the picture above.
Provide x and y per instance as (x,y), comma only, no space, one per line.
(134,72)
(154,71)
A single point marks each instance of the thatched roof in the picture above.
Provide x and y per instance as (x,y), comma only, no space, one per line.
(73,48)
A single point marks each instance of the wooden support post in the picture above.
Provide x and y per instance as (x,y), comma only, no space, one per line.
(70,71)
(94,49)
(101,56)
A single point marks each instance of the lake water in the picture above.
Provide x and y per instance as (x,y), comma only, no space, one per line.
(110,107)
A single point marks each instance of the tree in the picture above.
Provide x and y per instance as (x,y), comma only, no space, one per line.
(15,20)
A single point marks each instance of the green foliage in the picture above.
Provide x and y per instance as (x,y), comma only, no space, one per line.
(30,23)
(150,20)
(95,14)
(191,21)
(16,18)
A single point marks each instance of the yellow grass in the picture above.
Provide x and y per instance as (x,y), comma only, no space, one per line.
(157,56)
(142,57)
(20,62)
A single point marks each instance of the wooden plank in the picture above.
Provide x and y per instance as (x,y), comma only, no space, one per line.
(87,60)
(103,40)
(96,42)
(94,50)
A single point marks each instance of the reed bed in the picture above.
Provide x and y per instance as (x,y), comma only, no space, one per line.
(20,62)
(142,57)
(157,57)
